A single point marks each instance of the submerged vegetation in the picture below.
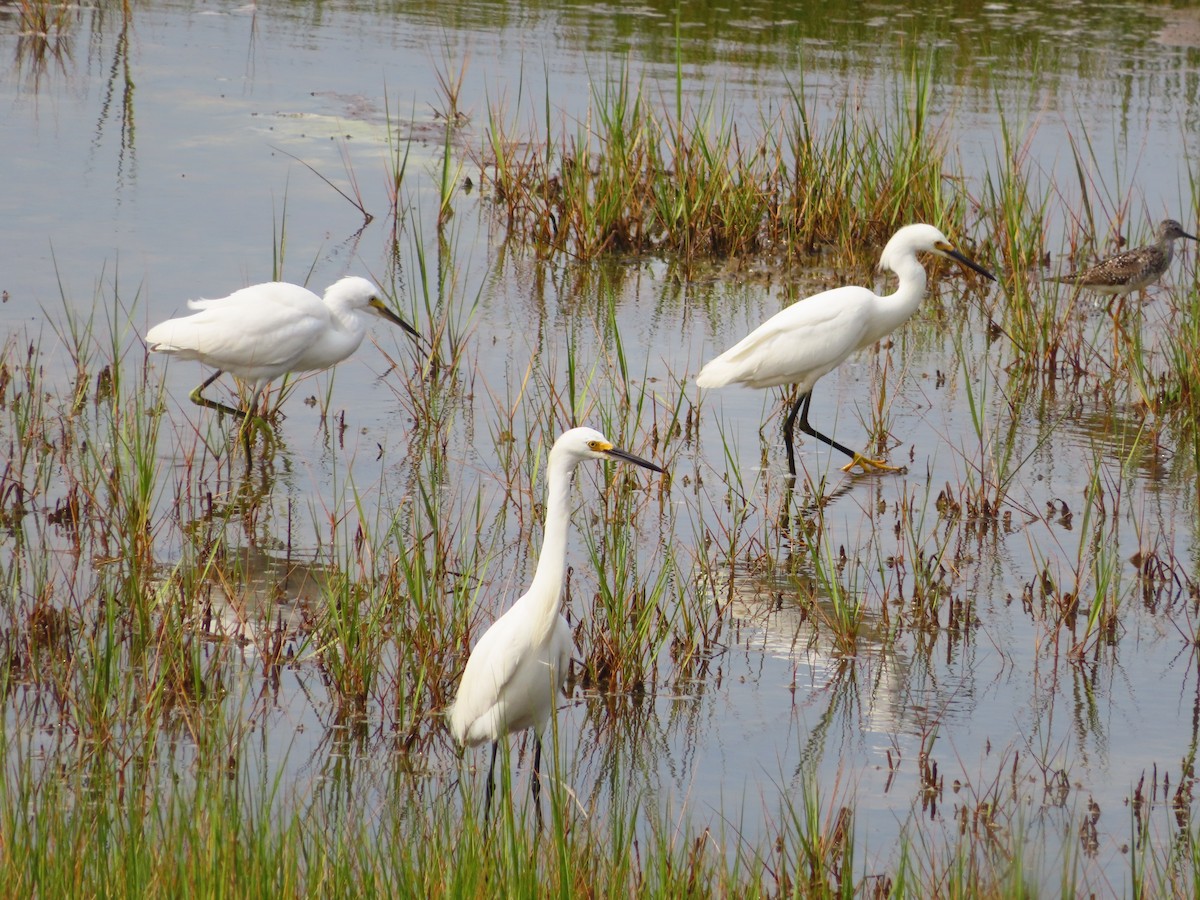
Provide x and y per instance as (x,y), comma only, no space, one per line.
(214,682)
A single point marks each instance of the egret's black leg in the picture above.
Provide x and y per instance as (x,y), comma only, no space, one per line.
(491,784)
(789,424)
(857,459)
(537,780)
(808,429)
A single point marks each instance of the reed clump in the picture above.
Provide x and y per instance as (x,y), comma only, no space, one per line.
(44,19)
(690,181)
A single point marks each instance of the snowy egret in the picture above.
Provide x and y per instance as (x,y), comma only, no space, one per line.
(1131,270)
(813,336)
(267,330)
(520,663)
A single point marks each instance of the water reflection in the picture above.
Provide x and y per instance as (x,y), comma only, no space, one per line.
(784,682)
(240,583)
(858,671)
(265,602)
(117,98)
(44,41)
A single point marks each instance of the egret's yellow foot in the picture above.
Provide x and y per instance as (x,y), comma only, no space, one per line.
(252,424)
(262,425)
(869,465)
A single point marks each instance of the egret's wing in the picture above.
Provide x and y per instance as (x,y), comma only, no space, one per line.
(492,664)
(265,326)
(797,345)
(511,679)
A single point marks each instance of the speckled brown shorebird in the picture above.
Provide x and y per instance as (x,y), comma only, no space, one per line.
(1134,269)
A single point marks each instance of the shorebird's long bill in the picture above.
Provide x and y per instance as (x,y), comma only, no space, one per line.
(386,311)
(947,250)
(614,453)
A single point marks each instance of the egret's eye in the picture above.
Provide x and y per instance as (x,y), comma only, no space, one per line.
(594,445)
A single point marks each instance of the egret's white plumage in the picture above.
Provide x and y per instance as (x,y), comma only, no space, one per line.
(815,335)
(520,664)
(267,330)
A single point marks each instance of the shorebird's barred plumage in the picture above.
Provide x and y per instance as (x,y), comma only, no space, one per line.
(1134,269)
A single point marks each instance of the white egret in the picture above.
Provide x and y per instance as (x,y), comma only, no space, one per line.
(520,664)
(267,330)
(813,336)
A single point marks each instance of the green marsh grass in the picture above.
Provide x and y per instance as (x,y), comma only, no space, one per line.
(450,85)
(639,175)
(398,152)
(147,756)
(994,404)
(165,789)
(1019,206)
(1175,390)
(814,849)
(922,566)
(634,605)
(841,610)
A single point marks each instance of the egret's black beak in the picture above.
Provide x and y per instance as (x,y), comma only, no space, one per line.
(614,453)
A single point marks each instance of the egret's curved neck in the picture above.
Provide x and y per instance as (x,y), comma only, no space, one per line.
(897,307)
(350,326)
(346,319)
(546,590)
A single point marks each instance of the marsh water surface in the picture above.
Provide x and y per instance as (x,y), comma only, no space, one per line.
(183,150)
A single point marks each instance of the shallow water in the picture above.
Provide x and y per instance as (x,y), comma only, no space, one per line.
(158,163)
